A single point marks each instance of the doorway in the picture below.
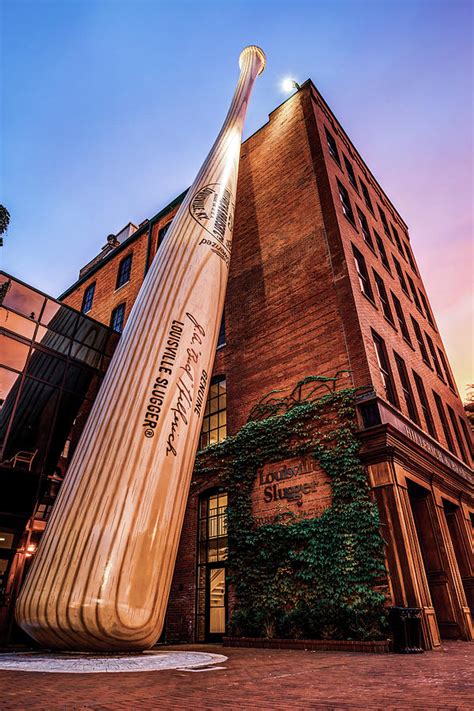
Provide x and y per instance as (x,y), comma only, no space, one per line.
(434,558)
(212,608)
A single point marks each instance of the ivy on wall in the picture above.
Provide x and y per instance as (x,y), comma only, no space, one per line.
(302,577)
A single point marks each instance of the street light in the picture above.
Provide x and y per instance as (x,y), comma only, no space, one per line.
(289,84)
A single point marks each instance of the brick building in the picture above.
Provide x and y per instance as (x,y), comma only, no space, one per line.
(322,279)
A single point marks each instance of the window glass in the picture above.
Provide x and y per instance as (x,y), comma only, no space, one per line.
(91,333)
(214,426)
(88,298)
(363,274)
(350,173)
(424,404)
(87,355)
(52,340)
(117,318)
(17,324)
(13,353)
(24,300)
(8,379)
(45,366)
(385,370)
(346,203)
(406,389)
(366,196)
(332,145)
(59,318)
(124,271)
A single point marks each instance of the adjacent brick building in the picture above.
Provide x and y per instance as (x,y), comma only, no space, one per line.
(323,279)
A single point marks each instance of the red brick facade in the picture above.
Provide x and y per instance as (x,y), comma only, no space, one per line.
(295,307)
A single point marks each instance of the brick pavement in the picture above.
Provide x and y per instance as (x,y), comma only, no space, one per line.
(262,679)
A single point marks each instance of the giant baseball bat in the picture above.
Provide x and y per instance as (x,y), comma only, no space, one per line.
(103,570)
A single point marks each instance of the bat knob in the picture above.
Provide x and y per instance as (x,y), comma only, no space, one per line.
(256,52)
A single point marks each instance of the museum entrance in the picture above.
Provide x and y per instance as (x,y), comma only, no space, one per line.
(434,558)
(212,567)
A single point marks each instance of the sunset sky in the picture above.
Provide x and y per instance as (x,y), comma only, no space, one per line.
(110,107)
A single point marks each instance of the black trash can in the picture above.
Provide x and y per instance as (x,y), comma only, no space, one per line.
(405,623)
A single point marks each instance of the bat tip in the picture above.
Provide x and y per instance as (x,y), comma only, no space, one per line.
(256,51)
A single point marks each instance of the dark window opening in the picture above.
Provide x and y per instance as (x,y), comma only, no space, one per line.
(457,433)
(162,234)
(428,313)
(434,356)
(385,370)
(444,422)
(420,341)
(88,298)
(124,271)
(467,434)
(117,318)
(409,254)
(401,319)
(382,252)
(383,296)
(406,389)
(332,145)
(425,407)
(346,203)
(350,173)
(366,196)
(385,224)
(401,276)
(414,293)
(398,241)
(446,369)
(363,274)
(365,228)
(221,338)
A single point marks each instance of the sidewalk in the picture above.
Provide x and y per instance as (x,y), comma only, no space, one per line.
(262,679)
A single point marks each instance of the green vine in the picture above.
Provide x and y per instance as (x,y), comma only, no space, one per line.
(302,577)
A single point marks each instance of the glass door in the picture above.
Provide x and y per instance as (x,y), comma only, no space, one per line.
(216,603)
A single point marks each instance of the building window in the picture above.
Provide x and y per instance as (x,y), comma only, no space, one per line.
(425,407)
(88,298)
(398,241)
(409,254)
(434,356)
(457,433)
(211,574)
(414,293)
(467,435)
(382,252)
(363,274)
(124,271)
(221,338)
(366,196)
(214,426)
(385,224)
(385,370)
(350,173)
(332,146)
(346,203)
(383,296)
(365,229)
(428,313)
(117,318)
(406,389)
(162,234)
(401,276)
(446,370)
(401,319)
(444,422)
(420,341)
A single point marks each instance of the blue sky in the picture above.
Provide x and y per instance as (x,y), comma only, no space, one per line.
(110,106)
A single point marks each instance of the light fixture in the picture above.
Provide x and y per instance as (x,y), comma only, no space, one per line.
(31,548)
(289,84)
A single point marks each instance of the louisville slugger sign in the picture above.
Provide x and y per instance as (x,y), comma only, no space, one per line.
(102,574)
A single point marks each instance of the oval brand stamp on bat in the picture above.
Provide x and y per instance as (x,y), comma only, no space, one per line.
(213,208)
